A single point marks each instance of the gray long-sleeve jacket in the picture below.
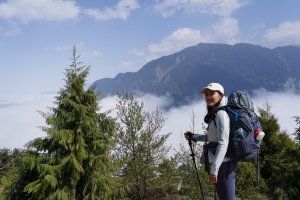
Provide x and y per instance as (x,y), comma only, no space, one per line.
(217,132)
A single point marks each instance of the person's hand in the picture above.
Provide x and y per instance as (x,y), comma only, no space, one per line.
(213,178)
(188,135)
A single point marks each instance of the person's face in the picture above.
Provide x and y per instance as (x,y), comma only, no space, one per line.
(212,97)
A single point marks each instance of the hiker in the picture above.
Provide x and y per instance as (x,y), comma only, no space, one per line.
(222,170)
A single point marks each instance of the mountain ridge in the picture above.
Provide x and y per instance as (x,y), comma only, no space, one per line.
(240,66)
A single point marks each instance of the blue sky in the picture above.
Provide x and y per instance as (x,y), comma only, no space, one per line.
(113,36)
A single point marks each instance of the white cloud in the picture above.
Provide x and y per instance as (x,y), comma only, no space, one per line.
(226,7)
(136,52)
(282,105)
(179,39)
(19,119)
(128,64)
(287,33)
(217,7)
(151,102)
(178,119)
(91,54)
(62,10)
(225,31)
(121,11)
(63,47)
(48,10)
(12,32)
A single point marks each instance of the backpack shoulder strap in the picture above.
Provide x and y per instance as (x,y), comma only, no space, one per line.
(215,113)
(221,108)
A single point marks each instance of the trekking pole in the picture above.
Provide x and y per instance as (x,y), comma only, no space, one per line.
(196,169)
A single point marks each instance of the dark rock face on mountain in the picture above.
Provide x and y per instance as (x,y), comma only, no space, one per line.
(240,66)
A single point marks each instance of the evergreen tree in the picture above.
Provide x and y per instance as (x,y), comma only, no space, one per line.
(188,184)
(168,179)
(269,147)
(280,159)
(73,160)
(140,147)
(5,159)
(297,129)
(16,176)
(246,185)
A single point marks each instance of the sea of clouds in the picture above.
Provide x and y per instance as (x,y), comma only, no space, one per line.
(20,120)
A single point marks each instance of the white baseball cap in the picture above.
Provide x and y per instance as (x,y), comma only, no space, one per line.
(213,87)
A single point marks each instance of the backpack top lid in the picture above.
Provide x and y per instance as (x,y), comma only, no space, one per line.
(240,100)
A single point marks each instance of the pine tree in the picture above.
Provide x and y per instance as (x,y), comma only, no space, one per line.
(5,159)
(280,157)
(189,185)
(73,160)
(140,147)
(297,129)
(16,176)
(271,127)
(168,179)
